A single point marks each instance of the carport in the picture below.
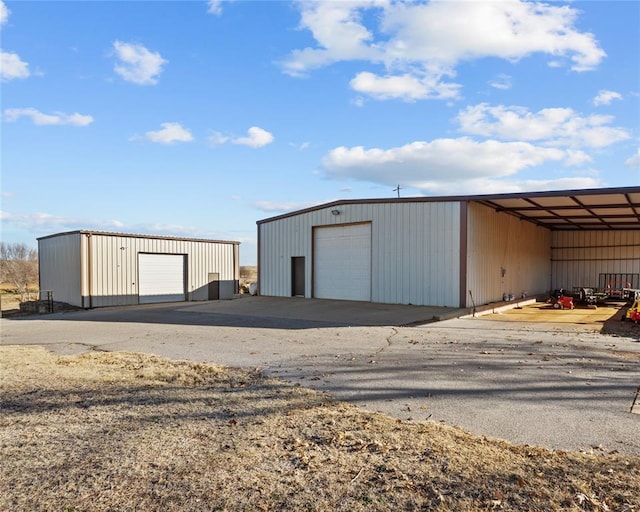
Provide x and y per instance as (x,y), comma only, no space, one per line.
(595,233)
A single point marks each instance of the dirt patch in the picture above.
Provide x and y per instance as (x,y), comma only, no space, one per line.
(122,431)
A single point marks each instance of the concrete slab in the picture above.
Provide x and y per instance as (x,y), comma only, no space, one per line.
(329,312)
(563,386)
(545,313)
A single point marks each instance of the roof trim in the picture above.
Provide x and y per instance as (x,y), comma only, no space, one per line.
(554,210)
(134,235)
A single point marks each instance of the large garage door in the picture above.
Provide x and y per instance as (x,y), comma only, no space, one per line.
(161,278)
(342,262)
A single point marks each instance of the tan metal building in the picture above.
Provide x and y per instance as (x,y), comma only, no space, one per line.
(94,268)
(452,251)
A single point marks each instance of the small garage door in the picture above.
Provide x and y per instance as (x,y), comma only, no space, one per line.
(161,278)
(342,262)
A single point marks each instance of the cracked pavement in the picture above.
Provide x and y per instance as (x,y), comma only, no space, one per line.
(558,386)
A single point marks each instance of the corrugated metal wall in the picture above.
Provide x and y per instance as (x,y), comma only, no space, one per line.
(498,241)
(579,257)
(114,263)
(97,269)
(279,242)
(415,250)
(59,261)
(416,253)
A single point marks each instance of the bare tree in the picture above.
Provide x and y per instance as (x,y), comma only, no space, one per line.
(18,266)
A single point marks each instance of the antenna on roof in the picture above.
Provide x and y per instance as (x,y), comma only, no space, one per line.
(397,189)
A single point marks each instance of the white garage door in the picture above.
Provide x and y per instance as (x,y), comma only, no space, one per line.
(160,278)
(342,262)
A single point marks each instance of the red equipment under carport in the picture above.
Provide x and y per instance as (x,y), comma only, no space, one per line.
(561,301)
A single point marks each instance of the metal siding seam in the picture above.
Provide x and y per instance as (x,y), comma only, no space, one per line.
(260,261)
(410,271)
(90,268)
(313,261)
(462,289)
(398,255)
(415,255)
(419,233)
(272,233)
(386,252)
(236,266)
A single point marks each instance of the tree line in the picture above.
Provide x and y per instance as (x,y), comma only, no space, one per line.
(19,267)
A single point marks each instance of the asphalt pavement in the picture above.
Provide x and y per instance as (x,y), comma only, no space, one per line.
(554,385)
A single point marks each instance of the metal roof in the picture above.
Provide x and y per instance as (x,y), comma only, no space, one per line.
(573,209)
(569,210)
(134,235)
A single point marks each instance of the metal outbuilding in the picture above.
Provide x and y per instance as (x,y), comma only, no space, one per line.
(455,251)
(95,268)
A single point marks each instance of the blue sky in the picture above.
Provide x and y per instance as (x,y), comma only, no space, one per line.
(198,118)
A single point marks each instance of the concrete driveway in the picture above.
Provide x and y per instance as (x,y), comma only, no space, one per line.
(560,386)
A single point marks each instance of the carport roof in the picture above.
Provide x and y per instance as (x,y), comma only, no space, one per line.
(569,210)
(608,208)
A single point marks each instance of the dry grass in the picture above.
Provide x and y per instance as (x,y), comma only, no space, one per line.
(121,431)
(9,302)
(10,298)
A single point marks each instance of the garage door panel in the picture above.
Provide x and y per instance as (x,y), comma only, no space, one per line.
(161,278)
(342,262)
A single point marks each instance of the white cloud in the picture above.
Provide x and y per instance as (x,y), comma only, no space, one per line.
(577,157)
(555,126)
(450,32)
(4,13)
(256,138)
(337,28)
(502,82)
(358,101)
(300,146)
(12,66)
(408,87)
(420,164)
(633,160)
(214,7)
(170,133)
(41,119)
(499,186)
(605,97)
(218,138)
(45,223)
(137,64)
(420,44)
(286,206)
